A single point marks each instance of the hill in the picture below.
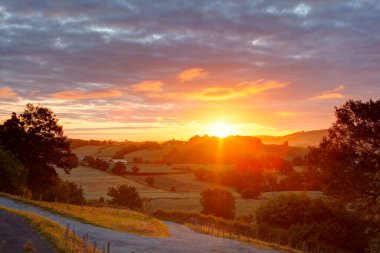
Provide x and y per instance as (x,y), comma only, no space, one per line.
(303,139)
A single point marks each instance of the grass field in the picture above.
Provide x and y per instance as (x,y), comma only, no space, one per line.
(87,150)
(116,219)
(108,151)
(181,182)
(95,184)
(50,230)
(149,154)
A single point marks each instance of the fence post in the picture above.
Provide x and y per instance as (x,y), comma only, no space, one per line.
(74,246)
(84,244)
(108,246)
(67,233)
(94,248)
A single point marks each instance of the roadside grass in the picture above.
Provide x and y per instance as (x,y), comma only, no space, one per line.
(257,243)
(122,220)
(50,230)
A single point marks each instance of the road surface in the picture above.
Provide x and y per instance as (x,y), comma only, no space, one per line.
(183,239)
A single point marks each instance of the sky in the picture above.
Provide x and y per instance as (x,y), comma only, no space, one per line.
(158,70)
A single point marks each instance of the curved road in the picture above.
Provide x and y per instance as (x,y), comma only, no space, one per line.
(183,239)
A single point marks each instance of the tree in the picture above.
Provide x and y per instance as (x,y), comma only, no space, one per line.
(37,140)
(65,191)
(249,193)
(218,202)
(13,175)
(200,174)
(118,168)
(317,219)
(349,158)
(135,169)
(125,195)
(149,181)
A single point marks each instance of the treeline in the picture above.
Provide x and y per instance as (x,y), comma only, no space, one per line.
(290,220)
(77,143)
(268,173)
(229,150)
(135,147)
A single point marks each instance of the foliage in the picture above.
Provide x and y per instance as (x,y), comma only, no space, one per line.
(96,163)
(349,158)
(13,176)
(317,219)
(125,195)
(249,193)
(218,202)
(200,174)
(118,168)
(37,140)
(65,192)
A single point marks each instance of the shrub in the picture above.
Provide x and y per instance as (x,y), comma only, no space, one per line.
(125,195)
(218,202)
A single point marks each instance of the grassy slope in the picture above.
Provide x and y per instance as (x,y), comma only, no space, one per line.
(147,154)
(87,150)
(50,230)
(120,220)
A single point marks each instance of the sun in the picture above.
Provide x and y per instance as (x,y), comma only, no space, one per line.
(221,129)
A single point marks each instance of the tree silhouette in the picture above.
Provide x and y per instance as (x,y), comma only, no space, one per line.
(37,140)
(349,158)
(218,202)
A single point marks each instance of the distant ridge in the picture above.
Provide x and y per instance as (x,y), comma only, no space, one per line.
(303,139)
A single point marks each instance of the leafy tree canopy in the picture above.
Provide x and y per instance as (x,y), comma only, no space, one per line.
(13,175)
(349,158)
(125,195)
(218,202)
(37,140)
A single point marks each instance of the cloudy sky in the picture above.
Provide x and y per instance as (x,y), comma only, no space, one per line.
(172,69)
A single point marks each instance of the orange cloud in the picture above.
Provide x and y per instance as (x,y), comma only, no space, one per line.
(191,74)
(241,89)
(331,94)
(7,92)
(287,113)
(80,95)
(151,86)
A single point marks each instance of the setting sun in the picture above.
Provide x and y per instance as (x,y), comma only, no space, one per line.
(221,129)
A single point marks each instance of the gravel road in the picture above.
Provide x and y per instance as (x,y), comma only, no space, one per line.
(15,232)
(183,239)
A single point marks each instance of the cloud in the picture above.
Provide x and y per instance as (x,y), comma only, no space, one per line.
(241,89)
(331,94)
(287,113)
(7,92)
(148,86)
(81,95)
(192,74)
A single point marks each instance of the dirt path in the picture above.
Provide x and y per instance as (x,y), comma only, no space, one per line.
(183,239)
(15,232)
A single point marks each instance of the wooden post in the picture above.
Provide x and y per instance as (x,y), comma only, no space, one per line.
(94,248)
(74,240)
(84,244)
(67,233)
(108,246)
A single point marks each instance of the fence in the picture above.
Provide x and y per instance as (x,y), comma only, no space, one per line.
(76,244)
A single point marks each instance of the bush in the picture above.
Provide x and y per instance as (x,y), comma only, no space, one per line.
(125,195)
(13,175)
(149,181)
(320,220)
(118,168)
(218,202)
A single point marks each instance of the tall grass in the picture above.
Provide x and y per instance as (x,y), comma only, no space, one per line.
(51,231)
(122,220)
